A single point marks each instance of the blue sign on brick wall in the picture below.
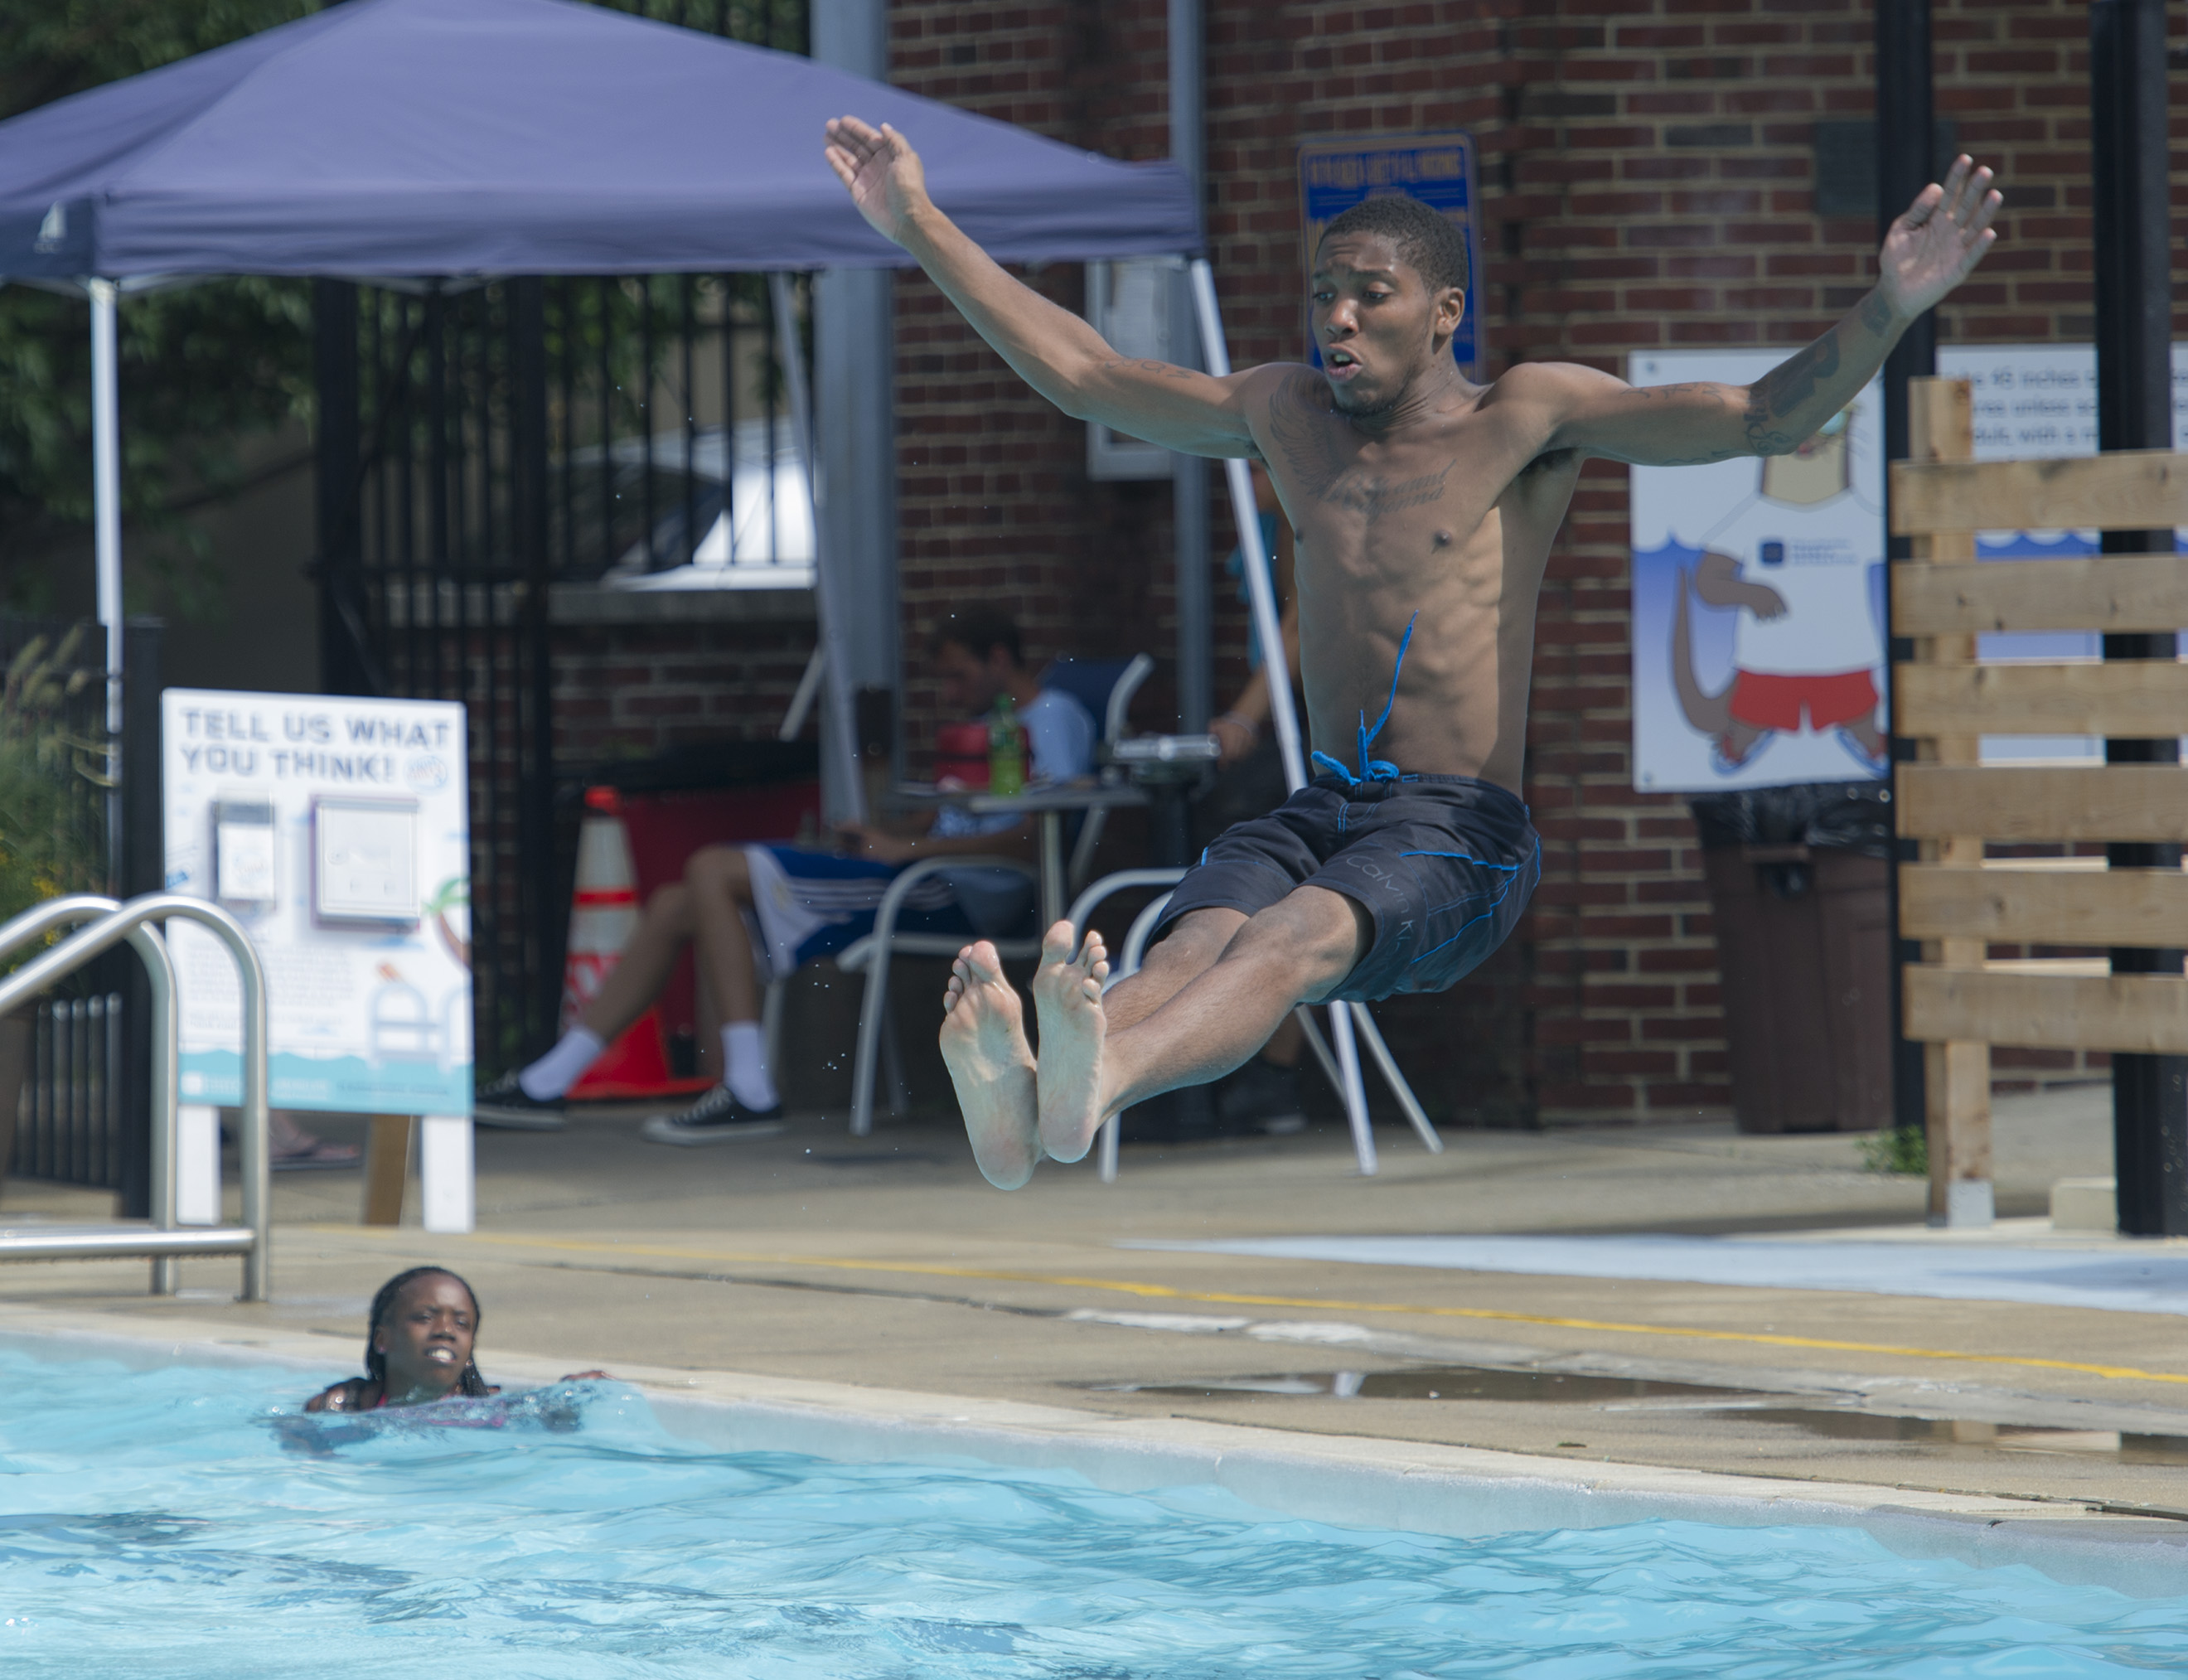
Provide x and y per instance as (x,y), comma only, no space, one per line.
(1437,169)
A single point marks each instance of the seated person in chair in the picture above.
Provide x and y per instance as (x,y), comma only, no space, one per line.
(788,905)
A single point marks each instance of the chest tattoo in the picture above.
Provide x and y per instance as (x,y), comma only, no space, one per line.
(1302,429)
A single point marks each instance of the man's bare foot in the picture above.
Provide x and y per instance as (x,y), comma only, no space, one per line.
(1067,996)
(984,1043)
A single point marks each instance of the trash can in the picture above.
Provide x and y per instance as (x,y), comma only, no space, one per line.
(1799,885)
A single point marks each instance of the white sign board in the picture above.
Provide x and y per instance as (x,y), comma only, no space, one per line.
(337,831)
(1704,631)
(1758,646)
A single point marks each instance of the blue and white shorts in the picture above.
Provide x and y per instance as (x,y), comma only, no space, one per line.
(811,905)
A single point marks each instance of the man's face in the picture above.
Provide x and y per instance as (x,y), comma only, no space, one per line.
(970,684)
(427,1338)
(1376,323)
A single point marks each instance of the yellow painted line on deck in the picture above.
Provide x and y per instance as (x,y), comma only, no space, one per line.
(1224,1297)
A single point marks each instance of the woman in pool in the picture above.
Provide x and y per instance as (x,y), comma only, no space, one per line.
(417,1347)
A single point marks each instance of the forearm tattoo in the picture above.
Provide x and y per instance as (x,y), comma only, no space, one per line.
(1772,399)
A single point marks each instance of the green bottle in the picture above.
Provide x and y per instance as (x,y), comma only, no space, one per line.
(1006,748)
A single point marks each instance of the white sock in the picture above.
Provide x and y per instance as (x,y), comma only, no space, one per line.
(556,1071)
(744,1065)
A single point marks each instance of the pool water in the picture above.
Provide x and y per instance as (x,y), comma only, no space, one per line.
(161,1523)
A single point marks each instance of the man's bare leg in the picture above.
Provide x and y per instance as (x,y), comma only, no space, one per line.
(983,1044)
(530,1097)
(720,883)
(1187,952)
(1293,952)
(644,968)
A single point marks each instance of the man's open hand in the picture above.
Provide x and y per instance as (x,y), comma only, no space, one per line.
(1941,237)
(881,170)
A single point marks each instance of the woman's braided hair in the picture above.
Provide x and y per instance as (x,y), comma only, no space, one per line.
(383,1304)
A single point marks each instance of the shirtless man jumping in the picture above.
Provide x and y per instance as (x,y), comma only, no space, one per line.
(1424,506)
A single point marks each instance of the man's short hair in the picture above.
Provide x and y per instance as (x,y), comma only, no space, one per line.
(980,632)
(1427,241)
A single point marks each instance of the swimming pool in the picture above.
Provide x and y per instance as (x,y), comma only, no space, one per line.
(153,1522)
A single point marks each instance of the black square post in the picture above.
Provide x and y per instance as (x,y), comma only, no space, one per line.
(545,910)
(1905,142)
(141,868)
(2133,236)
(345,664)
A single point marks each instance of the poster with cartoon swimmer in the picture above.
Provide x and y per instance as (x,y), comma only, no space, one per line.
(337,831)
(1758,607)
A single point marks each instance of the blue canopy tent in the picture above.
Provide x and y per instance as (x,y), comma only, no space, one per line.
(441,139)
(415,138)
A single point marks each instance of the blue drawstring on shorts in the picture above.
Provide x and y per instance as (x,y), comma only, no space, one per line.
(1373,769)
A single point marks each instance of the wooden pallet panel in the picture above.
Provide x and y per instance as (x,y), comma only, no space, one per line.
(1956,1076)
(2106,801)
(2137,697)
(2118,907)
(2126,490)
(2116,592)
(2137,1013)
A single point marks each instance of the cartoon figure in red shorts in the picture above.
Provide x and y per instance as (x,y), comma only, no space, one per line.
(1806,644)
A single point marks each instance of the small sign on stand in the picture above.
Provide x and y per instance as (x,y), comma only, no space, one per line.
(337,831)
(1436,169)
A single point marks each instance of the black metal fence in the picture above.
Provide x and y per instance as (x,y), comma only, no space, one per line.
(480,447)
(69,1125)
(81,1116)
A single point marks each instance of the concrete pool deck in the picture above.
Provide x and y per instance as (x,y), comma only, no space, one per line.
(883,1268)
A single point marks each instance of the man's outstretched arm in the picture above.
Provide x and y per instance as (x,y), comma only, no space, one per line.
(1051,349)
(1929,250)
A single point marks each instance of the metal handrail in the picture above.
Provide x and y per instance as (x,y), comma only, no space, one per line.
(109,924)
(39,921)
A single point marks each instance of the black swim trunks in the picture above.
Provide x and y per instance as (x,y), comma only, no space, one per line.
(1444,865)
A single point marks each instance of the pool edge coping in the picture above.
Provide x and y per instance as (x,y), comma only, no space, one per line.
(1350,1480)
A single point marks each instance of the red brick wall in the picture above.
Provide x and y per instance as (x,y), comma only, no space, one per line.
(631,691)
(1646,170)
(994,503)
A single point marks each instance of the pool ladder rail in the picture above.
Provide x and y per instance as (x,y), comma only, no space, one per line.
(102,923)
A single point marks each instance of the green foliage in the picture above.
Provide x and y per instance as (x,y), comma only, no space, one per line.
(201,367)
(50,831)
(1900,1149)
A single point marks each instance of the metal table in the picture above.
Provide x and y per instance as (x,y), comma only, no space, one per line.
(1051,804)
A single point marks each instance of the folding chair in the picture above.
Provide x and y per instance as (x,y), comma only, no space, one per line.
(1105,687)
(872,955)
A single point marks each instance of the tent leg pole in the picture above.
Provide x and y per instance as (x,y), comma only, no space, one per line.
(839,726)
(1356,1092)
(1261,591)
(106,504)
(1387,1065)
(809,685)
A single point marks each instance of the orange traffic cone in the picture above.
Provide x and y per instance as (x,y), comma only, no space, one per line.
(603,915)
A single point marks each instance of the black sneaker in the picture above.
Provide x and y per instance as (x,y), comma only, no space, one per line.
(716,1118)
(504,1105)
(1261,1097)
